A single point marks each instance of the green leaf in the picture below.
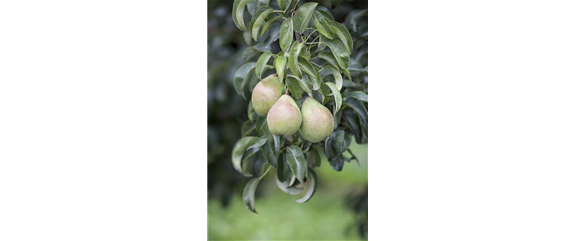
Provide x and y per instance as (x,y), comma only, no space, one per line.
(339,51)
(276,142)
(350,84)
(322,25)
(358,107)
(283,171)
(343,33)
(336,95)
(251,112)
(266,26)
(336,75)
(305,53)
(249,194)
(329,58)
(247,128)
(328,148)
(348,140)
(313,158)
(352,121)
(358,95)
(261,63)
(249,53)
(294,87)
(269,155)
(259,18)
(337,118)
(280,4)
(261,3)
(284,186)
(354,17)
(293,58)
(239,78)
(318,96)
(261,167)
(252,7)
(297,162)
(261,124)
(338,143)
(302,16)
(243,145)
(250,158)
(337,163)
(311,187)
(280,62)
(286,36)
(348,74)
(237,13)
(311,72)
(325,12)
(304,83)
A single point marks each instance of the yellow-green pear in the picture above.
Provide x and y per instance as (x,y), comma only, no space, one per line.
(318,122)
(265,94)
(284,118)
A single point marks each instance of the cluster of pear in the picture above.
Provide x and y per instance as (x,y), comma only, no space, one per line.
(314,121)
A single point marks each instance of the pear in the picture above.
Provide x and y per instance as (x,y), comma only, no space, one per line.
(284,118)
(265,94)
(318,122)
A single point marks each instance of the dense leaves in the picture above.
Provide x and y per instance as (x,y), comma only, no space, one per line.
(315,56)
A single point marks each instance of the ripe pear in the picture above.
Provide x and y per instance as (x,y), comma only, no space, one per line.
(265,94)
(318,122)
(284,118)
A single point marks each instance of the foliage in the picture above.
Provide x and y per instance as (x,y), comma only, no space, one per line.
(314,56)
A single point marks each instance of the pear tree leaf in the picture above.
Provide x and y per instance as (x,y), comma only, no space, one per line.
(294,87)
(259,19)
(249,194)
(339,51)
(302,16)
(336,75)
(322,25)
(284,186)
(304,83)
(311,186)
(313,158)
(267,24)
(280,62)
(297,162)
(343,33)
(247,128)
(241,147)
(240,76)
(261,63)
(336,95)
(358,95)
(329,58)
(293,58)
(311,72)
(286,35)
(237,13)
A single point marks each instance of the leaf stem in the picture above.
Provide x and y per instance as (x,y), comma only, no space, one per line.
(309,35)
(265,173)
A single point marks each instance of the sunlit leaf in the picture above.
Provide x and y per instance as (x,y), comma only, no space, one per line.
(293,58)
(343,33)
(268,23)
(302,16)
(259,19)
(261,63)
(297,162)
(294,87)
(322,25)
(284,186)
(280,62)
(237,13)
(313,74)
(286,36)
(327,56)
(311,186)
(336,75)
(241,146)
(239,76)
(304,83)
(358,95)
(249,194)
(336,95)
(339,52)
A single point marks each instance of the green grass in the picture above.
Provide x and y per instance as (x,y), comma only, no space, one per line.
(324,217)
